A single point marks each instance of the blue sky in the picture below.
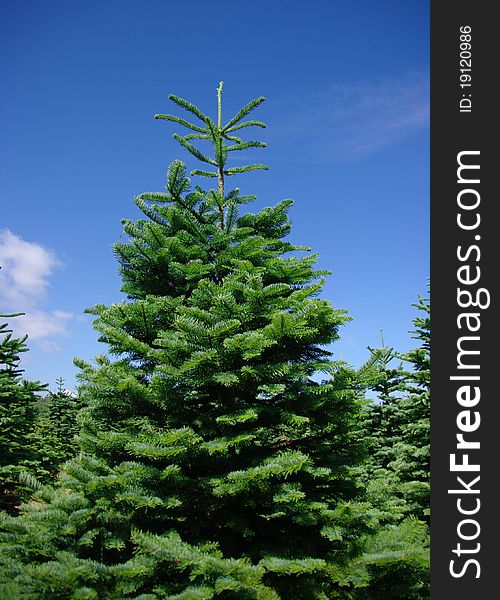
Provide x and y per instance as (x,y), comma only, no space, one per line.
(347,88)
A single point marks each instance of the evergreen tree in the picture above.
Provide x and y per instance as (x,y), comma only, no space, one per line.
(55,430)
(397,424)
(380,425)
(18,401)
(213,464)
(396,559)
(412,449)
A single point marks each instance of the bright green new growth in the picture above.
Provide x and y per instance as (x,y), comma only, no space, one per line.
(219,135)
(213,464)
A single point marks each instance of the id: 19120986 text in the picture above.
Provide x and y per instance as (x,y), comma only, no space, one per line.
(465,69)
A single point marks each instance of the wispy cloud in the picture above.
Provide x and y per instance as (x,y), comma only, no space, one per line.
(24,283)
(347,122)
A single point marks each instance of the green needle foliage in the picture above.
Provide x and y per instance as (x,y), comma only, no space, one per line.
(398,426)
(412,450)
(55,430)
(18,411)
(396,475)
(219,135)
(213,464)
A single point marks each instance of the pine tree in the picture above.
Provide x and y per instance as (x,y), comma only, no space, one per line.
(380,427)
(412,450)
(213,464)
(396,559)
(54,432)
(397,425)
(18,403)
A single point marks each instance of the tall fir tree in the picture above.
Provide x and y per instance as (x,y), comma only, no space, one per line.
(18,411)
(213,464)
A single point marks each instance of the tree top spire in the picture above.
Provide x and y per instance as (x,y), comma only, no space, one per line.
(220,135)
(219,104)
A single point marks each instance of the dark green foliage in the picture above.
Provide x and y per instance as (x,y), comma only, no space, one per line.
(412,452)
(18,402)
(396,475)
(381,429)
(398,424)
(396,563)
(213,464)
(54,433)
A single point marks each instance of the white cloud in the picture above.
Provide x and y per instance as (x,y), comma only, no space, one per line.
(24,283)
(26,267)
(348,122)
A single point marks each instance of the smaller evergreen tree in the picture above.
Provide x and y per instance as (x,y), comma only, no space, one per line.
(380,429)
(397,425)
(56,427)
(412,448)
(396,559)
(18,405)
